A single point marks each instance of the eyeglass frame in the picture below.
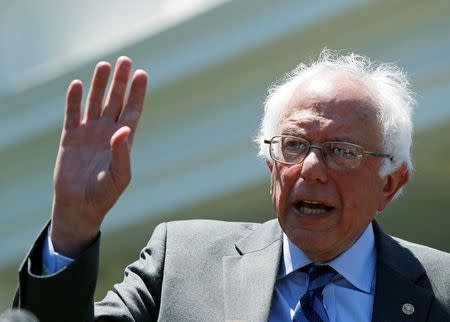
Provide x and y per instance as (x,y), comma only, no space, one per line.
(324,154)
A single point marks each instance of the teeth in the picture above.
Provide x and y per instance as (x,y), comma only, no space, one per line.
(310,207)
(312,211)
(312,202)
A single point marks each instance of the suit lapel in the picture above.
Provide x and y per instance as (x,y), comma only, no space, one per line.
(397,296)
(249,276)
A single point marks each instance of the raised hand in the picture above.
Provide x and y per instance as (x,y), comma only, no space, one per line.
(93,163)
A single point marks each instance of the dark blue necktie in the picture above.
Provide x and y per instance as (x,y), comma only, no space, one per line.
(310,307)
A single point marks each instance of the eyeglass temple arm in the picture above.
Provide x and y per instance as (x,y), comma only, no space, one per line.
(380,155)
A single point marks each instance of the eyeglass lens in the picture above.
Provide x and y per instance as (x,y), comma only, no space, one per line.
(293,150)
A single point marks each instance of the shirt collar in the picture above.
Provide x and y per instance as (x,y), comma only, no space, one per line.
(356,264)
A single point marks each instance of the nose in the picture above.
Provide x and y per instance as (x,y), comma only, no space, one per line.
(314,168)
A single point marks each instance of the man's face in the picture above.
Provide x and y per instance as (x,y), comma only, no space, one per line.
(329,107)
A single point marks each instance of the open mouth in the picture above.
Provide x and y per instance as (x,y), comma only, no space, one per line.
(312,208)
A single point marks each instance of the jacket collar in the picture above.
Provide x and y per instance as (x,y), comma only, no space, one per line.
(250,275)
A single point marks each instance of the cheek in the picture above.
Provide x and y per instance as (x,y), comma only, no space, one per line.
(351,195)
(282,181)
(359,195)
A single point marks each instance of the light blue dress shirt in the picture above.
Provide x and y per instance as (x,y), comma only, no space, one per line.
(52,261)
(349,298)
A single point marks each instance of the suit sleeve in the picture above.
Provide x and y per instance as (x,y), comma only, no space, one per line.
(68,295)
(138,296)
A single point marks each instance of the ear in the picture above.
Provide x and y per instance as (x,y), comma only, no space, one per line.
(269,165)
(392,184)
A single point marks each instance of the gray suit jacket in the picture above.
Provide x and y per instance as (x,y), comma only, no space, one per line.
(221,271)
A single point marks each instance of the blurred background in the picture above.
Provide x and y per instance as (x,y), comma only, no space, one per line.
(210,64)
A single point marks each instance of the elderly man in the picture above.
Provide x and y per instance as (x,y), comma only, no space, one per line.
(336,136)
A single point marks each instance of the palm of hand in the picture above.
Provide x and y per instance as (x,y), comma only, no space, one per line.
(84,175)
(93,163)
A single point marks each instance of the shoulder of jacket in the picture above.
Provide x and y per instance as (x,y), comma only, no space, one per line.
(425,253)
(199,229)
(209,225)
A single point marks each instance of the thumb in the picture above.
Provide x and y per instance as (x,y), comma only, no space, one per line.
(120,162)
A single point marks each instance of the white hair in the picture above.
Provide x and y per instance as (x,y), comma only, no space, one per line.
(388,85)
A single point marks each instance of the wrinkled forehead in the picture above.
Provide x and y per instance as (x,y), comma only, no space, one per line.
(331,95)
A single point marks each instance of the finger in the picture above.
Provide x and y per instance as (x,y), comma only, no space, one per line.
(135,103)
(73,104)
(120,163)
(116,93)
(94,101)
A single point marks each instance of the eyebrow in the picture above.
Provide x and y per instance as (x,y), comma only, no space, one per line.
(294,131)
(291,131)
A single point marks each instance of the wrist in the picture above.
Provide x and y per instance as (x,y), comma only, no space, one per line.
(68,244)
(69,235)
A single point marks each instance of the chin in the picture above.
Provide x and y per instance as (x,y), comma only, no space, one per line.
(317,245)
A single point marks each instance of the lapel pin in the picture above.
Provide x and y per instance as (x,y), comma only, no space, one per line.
(408,309)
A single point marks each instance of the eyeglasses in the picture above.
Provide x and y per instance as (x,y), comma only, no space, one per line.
(337,155)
